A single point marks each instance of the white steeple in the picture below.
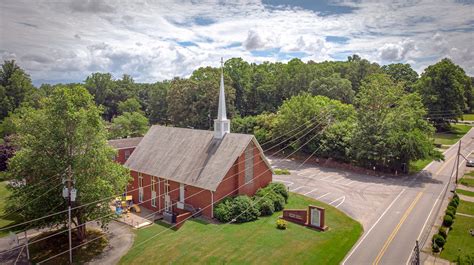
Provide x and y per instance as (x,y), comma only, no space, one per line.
(221,124)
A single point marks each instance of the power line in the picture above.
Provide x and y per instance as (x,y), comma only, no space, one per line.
(187,217)
(193,194)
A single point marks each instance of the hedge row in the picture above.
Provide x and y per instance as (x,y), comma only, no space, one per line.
(440,238)
(242,209)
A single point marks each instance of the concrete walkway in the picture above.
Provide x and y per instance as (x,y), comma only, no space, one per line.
(466,198)
(121,239)
(462,187)
(465,214)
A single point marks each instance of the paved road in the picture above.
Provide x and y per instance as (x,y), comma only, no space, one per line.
(391,238)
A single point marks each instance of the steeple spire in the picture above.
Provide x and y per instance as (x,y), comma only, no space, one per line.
(221,112)
(221,124)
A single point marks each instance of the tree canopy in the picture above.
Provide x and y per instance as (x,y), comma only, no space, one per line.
(65,132)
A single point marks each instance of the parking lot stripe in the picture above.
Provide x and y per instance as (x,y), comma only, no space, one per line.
(323,195)
(326,177)
(349,183)
(336,200)
(284,181)
(310,191)
(297,188)
(337,180)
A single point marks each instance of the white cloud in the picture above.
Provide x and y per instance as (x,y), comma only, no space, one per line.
(69,40)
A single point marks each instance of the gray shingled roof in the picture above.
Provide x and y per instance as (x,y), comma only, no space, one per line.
(188,156)
(125,142)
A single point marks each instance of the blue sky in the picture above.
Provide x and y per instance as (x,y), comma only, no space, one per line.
(64,41)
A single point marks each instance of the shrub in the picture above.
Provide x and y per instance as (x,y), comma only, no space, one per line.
(443,232)
(265,206)
(435,248)
(223,210)
(281,171)
(279,188)
(447,221)
(453,203)
(438,240)
(243,209)
(281,224)
(450,213)
(456,197)
(452,209)
(276,198)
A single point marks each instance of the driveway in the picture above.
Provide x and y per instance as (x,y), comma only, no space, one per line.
(362,197)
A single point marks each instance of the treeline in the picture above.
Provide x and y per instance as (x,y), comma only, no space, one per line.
(257,95)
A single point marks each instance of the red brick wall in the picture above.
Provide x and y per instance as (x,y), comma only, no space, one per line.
(262,176)
(120,157)
(200,198)
(197,197)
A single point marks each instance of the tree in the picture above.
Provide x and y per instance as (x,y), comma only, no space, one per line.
(156,102)
(443,87)
(329,125)
(15,85)
(129,124)
(65,136)
(391,130)
(358,69)
(402,73)
(129,105)
(193,102)
(7,150)
(333,87)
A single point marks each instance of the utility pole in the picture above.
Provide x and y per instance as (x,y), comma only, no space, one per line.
(69,193)
(457,161)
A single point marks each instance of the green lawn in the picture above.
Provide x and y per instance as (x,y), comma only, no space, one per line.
(418,165)
(468,117)
(467,208)
(459,242)
(465,192)
(467,182)
(4,220)
(257,242)
(449,138)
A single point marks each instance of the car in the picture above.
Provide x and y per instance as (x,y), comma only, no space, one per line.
(470,163)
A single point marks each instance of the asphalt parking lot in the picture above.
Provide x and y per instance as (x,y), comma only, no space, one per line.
(362,197)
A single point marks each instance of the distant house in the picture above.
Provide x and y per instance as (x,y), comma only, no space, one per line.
(178,170)
(124,147)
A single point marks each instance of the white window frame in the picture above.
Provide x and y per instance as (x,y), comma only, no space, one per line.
(168,204)
(140,187)
(249,157)
(180,204)
(127,154)
(153,191)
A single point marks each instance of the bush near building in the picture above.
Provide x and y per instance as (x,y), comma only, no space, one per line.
(243,209)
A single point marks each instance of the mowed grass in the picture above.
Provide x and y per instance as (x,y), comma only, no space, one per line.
(418,165)
(468,117)
(467,208)
(258,242)
(467,182)
(465,192)
(451,137)
(460,242)
(4,220)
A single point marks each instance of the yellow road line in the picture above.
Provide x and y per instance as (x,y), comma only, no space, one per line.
(395,231)
(405,215)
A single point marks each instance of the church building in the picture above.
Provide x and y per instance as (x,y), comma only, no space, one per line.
(178,170)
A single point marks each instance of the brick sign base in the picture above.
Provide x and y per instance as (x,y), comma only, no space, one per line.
(313,217)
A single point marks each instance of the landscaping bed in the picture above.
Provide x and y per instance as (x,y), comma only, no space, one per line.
(257,242)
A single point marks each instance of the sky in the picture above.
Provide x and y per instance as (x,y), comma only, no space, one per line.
(65,41)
